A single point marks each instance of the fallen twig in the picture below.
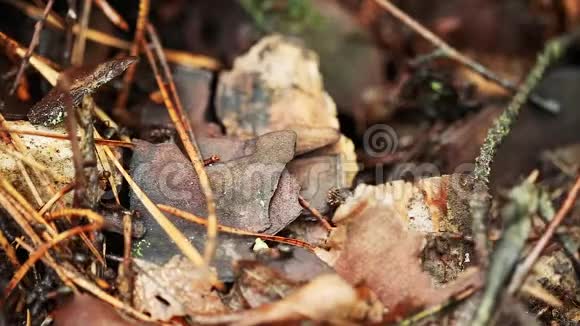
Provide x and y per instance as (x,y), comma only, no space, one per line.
(524,268)
(120,108)
(112,14)
(444,49)
(33,43)
(228,229)
(479,202)
(185,132)
(306,205)
(79,46)
(54,135)
(42,250)
(517,215)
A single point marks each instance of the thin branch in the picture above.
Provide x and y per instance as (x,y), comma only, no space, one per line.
(305,204)
(54,135)
(78,52)
(525,267)
(120,108)
(228,229)
(454,54)
(112,14)
(480,201)
(43,249)
(184,130)
(33,43)
(182,57)
(517,216)
(89,171)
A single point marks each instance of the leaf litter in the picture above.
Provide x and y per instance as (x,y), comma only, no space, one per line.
(256,200)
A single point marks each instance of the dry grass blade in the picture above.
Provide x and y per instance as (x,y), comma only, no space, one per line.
(54,135)
(186,135)
(28,160)
(23,222)
(181,57)
(37,62)
(454,54)
(228,229)
(42,250)
(33,43)
(30,213)
(55,198)
(112,14)
(120,108)
(80,281)
(78,52)
(180,240)
(9,250)
(305,204)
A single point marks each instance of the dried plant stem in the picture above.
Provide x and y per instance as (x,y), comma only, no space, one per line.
(33,43)
(68,24)
(42,250)
(23,222)
(517,216)
(305,204)
(30,184)
(187,137)
(480,200)
(415,319)
(126,273)
(112,14)
(525,267)
(72,275)
(28,211)
(9,250)
(454,54)
(78,52)
(177,56)
(71,127)
(44,209)
(120,108)
(54,135)
(228,229)
(87,146)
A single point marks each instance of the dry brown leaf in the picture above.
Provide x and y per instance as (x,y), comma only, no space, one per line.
(277,86)
(53,156)
(333,166)
(258,284)
(87,310)
(177,288)
(253,192)
(326,298)
(378,241)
